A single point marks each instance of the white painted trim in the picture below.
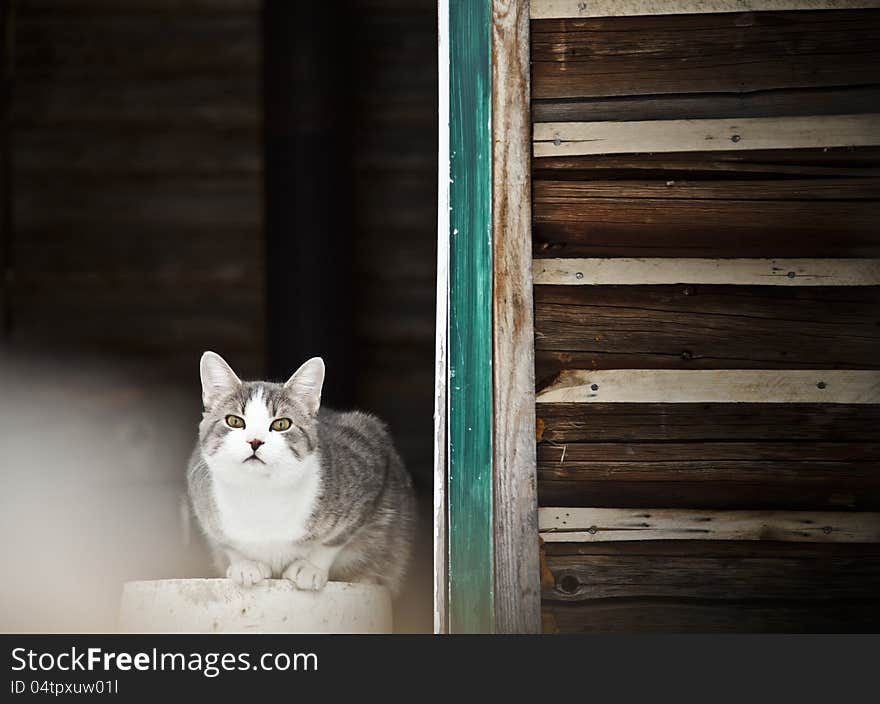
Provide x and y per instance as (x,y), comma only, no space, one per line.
(440,359)
(731,134)
(560,9)
(713,386)
(744,272)
(590,525)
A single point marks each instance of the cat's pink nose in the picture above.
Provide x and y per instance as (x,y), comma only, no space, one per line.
(255,444)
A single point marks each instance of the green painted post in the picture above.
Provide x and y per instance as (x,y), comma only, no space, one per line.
(471,608)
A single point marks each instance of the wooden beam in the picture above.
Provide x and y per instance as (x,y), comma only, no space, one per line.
(626,423)
(517,587)
(743,272)
(307,212)
(748,133)
(713,386)
(559,9)
(584,525)
(705,327)
(470,449)
(441,359)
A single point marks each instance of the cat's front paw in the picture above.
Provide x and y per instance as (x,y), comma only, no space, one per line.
(247,573)
(305,575)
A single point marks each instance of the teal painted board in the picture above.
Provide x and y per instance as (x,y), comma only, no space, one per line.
(471,608)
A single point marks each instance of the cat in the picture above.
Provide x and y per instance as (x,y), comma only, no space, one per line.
(283,488)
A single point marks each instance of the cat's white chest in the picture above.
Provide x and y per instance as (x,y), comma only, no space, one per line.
(260,516)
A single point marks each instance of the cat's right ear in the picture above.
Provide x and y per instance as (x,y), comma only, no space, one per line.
(218,379)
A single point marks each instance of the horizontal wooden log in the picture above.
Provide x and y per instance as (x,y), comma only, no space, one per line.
(839,100)
(143,45)
(858,492)
(550,9)
(56,202)
(90,7)
(713,386)
(841,190)
(183,336)
(624,422)
(695,616)
(99,155)
(642,460)
(714,211)
(740,272)
(705,327)
(708,53)
(183,101)
(719,549)
(581,525)
(748,587)
(690,166)
(747,133)
(710,475)
(818,572)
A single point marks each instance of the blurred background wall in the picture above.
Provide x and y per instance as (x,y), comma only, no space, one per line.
(182,175)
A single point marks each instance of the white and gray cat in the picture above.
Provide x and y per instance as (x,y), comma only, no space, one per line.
(283,488)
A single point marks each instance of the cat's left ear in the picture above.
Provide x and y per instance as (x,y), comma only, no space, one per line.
(306,382)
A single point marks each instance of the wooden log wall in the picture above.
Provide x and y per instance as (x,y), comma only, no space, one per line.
(394,184)
(136,150)
(707,328)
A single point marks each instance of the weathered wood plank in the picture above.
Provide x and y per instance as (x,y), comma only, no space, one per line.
(699,616)
(837,100)
(747,133)
(517,589)
(551,9)
(572,524)
(751,422)
(705,327)
(642,460)
(581,525)
(713,213)
(713,386)
(717,53)
(718,549)
(793,574)
(689,166)
(741,272)
(710,475)
(750,191)
(855,491)
(755,574)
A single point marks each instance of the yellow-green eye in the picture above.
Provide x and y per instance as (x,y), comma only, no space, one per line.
(280,424)
(234,422)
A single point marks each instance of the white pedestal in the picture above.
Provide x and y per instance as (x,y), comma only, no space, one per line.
(275,606)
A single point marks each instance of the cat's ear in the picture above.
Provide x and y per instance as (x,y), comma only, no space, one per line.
(218,379)
(306,383)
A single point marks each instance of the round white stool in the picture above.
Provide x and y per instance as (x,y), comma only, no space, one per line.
(274,606)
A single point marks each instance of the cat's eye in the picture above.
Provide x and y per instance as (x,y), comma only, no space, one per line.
(280,424)
(234,421)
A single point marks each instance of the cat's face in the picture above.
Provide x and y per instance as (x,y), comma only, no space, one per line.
(259,431)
